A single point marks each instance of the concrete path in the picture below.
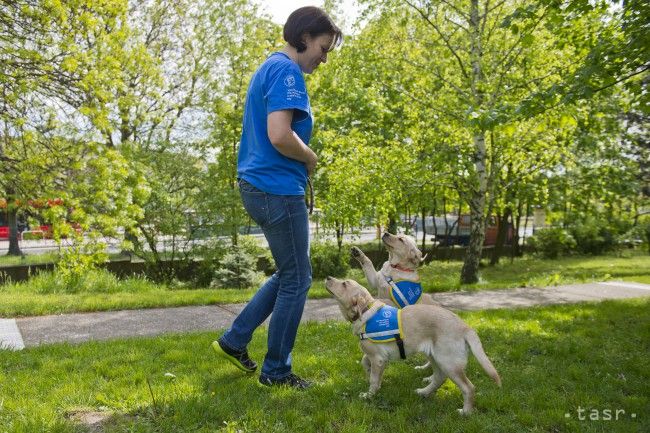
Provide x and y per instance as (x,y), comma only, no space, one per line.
(75,328)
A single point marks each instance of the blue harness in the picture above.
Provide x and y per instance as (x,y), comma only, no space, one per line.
(385,326)
(404,292)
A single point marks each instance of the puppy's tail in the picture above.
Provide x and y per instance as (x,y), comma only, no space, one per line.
(471,337)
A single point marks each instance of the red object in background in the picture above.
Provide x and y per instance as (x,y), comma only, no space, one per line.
(45,229)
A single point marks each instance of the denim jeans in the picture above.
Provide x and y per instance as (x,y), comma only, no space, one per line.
(285,224)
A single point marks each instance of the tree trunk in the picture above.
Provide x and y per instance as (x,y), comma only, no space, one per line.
(514,248)
(444,213)
(469,273)
(502,234)
(523,241)
(12,213)
(392,226)
(14,247)
(424,229)
(339,236)
(435,226)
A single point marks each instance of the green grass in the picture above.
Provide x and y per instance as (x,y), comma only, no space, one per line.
(28,259)
(100,291)
(531,271)
(36,259)
(553,361)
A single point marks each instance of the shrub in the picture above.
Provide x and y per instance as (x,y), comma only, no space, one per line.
(637,235)
(237,269)
(327,260)
(209,256)
(593,237)
(552,242)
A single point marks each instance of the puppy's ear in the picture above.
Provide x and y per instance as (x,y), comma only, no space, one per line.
(415,257)
(360,304)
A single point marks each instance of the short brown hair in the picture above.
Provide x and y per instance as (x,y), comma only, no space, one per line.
(312,20)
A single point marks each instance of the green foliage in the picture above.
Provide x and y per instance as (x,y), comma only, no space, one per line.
(208,255)
(237,269)
(594,236)
(552,242)
(219,264)
(327,260)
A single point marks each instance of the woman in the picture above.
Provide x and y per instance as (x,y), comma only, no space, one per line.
(273,166)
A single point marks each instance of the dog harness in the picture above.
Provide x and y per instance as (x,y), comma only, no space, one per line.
(384,326)
(404,292)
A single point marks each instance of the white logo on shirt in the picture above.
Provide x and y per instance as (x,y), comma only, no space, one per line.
(290,81)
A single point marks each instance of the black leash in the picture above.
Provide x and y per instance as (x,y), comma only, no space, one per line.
(310,199)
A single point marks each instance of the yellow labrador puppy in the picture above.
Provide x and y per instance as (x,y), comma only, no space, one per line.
(398,278)
(388,333)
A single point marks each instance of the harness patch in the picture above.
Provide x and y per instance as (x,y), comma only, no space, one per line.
(384,326)
(404,292)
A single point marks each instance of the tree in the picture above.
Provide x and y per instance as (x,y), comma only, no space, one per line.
(53,55)
(478,69)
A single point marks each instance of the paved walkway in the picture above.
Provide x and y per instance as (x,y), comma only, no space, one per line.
(77,328)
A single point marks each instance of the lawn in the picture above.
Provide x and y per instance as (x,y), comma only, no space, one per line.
(100,291)
(558,364)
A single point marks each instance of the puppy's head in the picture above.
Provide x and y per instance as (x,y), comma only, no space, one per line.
(352,297)
(402,250)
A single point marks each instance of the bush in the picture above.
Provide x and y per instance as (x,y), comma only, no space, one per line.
(637,236)
(237,269)
(594,237)
(232,267)
(208,256)
(326,260)
(552,242)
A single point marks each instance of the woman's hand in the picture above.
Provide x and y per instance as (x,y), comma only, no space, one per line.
(287,142)
(311,163)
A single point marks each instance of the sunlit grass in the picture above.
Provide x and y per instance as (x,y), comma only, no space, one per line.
(100,290)
(553,361)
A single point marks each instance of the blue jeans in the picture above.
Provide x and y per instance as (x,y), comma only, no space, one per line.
(285,223)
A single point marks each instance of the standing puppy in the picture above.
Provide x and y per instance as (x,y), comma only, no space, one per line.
(438,333)
(398,278)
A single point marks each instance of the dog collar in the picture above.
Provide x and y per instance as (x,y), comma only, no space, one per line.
(399,268)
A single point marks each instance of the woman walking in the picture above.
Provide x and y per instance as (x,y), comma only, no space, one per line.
(273,167)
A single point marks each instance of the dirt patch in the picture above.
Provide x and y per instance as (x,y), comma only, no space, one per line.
(92,419)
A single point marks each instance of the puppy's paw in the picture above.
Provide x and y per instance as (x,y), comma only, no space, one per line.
(427,379)
(365,395)
(423,366)
(356,252)
(464,412)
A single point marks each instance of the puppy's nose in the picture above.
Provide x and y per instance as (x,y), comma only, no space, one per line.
(328,278)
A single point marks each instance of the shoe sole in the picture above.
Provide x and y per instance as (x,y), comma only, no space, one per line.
(232,359)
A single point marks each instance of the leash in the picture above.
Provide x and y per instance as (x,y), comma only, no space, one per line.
(310,199)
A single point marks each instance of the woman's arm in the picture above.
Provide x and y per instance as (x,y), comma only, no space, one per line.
(287,142)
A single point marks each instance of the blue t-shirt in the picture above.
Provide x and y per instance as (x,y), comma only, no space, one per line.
(277,85)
